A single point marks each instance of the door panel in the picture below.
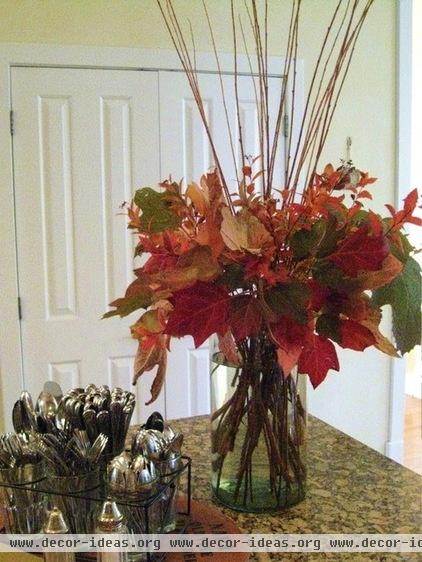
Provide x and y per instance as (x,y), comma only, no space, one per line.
(185,151)
(84,140)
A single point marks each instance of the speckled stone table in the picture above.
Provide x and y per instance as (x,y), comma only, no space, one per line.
(351,489)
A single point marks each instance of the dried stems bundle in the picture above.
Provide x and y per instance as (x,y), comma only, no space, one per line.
(265,404)
(308,131)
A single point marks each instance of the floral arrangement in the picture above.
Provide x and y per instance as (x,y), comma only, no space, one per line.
(280,273)
(299,271)
(295,262)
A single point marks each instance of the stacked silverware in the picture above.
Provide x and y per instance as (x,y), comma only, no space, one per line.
(134,478)
(72,433)
(157,441)
(82,414)
(16,450)
(132,474)
(70,457)
(22,509)
(99,410)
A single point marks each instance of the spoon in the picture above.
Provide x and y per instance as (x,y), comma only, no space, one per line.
(46,405)
(90,420)
(55,389)
(28,411)
(18,418)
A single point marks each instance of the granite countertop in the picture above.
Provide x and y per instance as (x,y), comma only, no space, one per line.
(351,489)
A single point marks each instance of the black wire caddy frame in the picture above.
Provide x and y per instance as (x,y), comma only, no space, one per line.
(151,512)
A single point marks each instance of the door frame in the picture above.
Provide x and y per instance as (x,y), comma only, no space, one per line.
(59,56)
(404,15)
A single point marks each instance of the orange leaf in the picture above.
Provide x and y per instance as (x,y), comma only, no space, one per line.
(375,223)
(227,346)
(247,171)
(157,383)
(145,360)
(381,342)
(365,194)
(328,170)
(288,358)
(209,234)
(391,267)
(195,265)
(198,198)
(411,200)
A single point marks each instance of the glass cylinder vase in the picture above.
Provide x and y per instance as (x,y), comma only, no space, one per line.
(258,425)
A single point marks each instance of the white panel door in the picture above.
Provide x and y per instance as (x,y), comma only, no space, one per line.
(185,153)
(84,140)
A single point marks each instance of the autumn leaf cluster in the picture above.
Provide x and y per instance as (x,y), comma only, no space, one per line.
(308,272)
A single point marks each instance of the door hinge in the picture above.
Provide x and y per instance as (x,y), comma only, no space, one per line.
(20,308)
(12,122)
(286,125)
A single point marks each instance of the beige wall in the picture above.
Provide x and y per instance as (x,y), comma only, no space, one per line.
(366,113)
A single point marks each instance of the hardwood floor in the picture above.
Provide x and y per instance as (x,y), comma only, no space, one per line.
(413,434)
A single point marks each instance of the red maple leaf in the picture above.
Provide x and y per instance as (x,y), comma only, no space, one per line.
(318,356)
(319,295)
(199,311)
(287,359)
(286,332)
(355,336)
(360,252)
(245,316)
(291,338)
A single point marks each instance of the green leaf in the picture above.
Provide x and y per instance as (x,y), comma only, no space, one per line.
(156,212)
(328,326)
(304,241)
(332,235)
(404,296)
(290,300)
(361,217)
(233,277)
(329,276)
(127,305)
(402,253)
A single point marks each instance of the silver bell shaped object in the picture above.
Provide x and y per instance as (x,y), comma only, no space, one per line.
(56,525)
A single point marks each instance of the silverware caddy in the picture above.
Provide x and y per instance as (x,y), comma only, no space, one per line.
(63,461)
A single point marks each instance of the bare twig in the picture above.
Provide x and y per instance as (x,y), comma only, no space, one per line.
(322,97)
(236,87)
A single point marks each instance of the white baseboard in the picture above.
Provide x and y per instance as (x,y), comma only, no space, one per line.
(394,450)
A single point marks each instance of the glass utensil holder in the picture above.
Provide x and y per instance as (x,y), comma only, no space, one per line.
(78,509)
(22,507)
(169,474)
(167,508)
